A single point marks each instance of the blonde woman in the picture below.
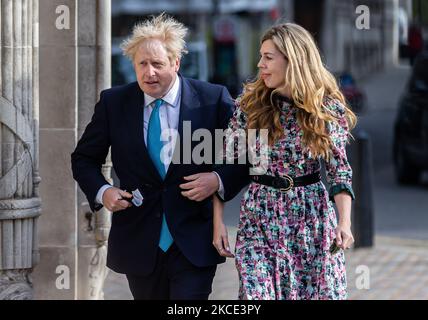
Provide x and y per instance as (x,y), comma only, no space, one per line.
(289,243)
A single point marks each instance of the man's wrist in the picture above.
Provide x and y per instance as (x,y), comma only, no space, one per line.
(217,179)
(219,183)
(100,194)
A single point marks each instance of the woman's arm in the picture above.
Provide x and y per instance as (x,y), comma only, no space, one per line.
(220,239)
(344,237)
(339,174)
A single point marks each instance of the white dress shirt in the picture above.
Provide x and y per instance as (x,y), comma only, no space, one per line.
(169,113)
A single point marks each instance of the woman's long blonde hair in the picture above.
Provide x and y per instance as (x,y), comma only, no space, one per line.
(309,83)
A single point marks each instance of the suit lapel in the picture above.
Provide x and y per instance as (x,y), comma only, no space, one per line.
(136,121)
(188,107)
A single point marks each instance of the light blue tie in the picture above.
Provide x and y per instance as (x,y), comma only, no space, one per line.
(154,146)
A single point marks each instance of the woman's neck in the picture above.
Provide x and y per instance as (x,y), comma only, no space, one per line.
(285,92)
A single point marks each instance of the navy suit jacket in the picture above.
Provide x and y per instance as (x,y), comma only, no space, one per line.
(118,123)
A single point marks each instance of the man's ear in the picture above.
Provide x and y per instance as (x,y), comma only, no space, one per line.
(177,64)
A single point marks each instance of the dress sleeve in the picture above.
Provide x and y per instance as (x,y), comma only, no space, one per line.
(233,147)
(339,171)
(234,167)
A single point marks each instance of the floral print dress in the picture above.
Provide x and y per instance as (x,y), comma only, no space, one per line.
(283,238)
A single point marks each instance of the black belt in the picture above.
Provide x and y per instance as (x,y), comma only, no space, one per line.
(286,182)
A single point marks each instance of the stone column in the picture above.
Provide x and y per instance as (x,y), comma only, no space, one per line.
(74,68)
(94,55)
(19,121)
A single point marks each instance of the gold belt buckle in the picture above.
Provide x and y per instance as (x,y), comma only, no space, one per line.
(290,183)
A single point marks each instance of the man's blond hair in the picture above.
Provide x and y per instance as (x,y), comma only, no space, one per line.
(162,27)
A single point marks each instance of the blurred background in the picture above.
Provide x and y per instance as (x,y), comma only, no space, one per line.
(224,35)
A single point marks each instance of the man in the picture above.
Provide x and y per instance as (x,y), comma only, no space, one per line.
(164,245)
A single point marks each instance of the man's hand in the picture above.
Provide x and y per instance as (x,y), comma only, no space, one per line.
(112,199)
(201,186)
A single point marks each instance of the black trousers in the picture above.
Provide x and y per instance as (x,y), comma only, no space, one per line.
(174,277)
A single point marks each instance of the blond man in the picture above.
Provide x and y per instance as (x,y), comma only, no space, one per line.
(161,234)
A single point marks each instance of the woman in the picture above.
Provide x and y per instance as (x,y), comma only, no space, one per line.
(288,227)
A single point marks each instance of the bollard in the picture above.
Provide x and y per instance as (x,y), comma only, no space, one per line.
(360,158)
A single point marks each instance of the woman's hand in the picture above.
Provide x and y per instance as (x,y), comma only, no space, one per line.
(220,239)
(344,237)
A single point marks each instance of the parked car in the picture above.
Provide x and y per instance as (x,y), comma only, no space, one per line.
(353,94)
(411,126)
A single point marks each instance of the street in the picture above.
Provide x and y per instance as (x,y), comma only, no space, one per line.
(400,211)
